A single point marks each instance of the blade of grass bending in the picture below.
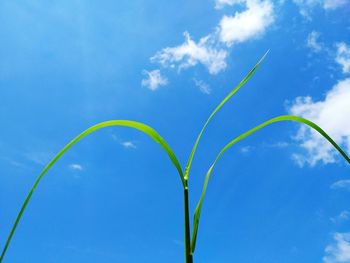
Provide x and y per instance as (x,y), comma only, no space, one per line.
(241,137)
(240,85)
(126,123)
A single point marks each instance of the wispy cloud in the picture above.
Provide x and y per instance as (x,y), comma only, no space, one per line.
(341,184)
(339,250)
(41,158)
(343,216)
(277,145)
(13,162)
(306,6)
(246,149)
(153,79)
(76,167)
(332,114)
(343,56)
(334,4)
(114,137)
(313,43)
(222,3)
(16,163)
(203,87)
(128,145)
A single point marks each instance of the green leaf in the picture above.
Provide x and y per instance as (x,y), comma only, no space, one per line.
(241,137)
(251,72)
(126,123)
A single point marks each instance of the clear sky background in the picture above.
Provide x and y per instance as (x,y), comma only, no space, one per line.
(282,195)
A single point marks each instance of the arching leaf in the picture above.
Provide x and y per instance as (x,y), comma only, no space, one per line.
(241,137)
(126,123)
(240,85)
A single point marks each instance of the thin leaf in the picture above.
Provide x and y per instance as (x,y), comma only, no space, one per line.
(241,137)
(251,72)
(126,123)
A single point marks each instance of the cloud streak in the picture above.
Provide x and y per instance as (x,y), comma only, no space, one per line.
(341,184)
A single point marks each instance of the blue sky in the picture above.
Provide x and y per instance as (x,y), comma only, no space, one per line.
(279,196)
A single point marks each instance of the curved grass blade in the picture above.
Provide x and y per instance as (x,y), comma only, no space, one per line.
(126,123)
(241,137)
(240,85)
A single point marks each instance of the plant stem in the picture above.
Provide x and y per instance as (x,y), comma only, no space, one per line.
(188,254)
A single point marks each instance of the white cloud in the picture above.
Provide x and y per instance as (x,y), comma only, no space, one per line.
(128,145)
(75,166)
(212,50)
(313,43)
(191,53)
(339,251)
(153,79)
(334,4)
(343,56)
(332,114)
(203,87)
(341,184)
(248,24)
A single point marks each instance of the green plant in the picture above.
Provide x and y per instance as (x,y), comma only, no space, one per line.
(190,240)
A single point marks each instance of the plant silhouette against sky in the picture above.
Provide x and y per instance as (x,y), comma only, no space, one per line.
(190,239)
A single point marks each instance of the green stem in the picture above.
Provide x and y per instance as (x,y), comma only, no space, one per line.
(188,254)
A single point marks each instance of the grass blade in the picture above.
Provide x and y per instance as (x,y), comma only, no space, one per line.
(251,72)
(126,123)
(241,137)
